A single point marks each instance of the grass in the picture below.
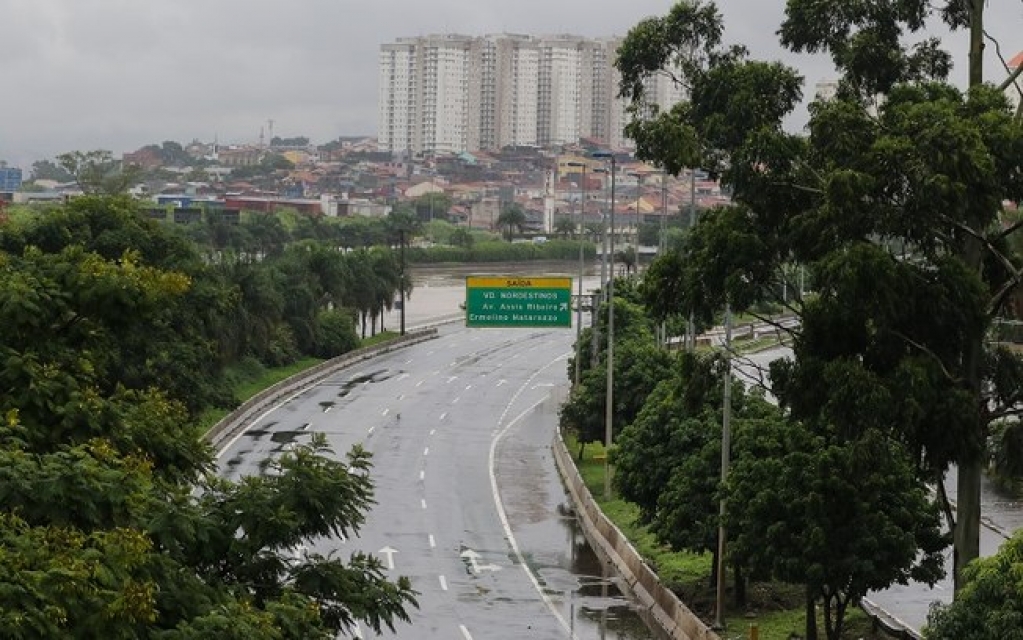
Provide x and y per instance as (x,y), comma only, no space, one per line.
(383,336)
(776,609)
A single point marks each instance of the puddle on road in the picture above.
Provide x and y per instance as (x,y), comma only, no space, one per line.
(237,459)
(259,434)
(585,590)
(371,378)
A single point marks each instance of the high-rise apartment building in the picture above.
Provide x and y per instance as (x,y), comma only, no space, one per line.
(444,93)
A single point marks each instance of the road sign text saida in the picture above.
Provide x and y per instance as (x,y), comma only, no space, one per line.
(518,301)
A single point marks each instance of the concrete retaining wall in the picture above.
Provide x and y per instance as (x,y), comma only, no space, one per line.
(250,410)
(662,606)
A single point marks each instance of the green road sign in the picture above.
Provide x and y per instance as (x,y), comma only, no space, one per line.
(494,301)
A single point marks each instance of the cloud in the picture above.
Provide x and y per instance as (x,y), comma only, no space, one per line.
(119,74)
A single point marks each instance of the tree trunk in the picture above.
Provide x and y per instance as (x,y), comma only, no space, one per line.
(811,616)
(740,588)
(966,536)
(582,447)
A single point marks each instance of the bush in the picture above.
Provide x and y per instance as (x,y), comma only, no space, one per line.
(335,333)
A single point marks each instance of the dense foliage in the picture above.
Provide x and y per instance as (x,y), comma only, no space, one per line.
(893,206)
(116,334)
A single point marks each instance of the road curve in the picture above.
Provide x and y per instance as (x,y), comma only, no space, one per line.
(467,496)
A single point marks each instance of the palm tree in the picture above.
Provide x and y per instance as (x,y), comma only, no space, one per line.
(564,227)
(512,218)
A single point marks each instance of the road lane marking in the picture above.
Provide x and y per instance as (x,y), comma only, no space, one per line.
(452,379)
(443,415)
(420,383)
(327,409)
(457,398)
(496,494)
(409,361)
(430,353)
(386,411)
(501,381)
(433,431)
(306,426)
(422,475)
(465,632)
(433,543)
(370,430)
(426,451)
(423,503)
(402,377)
(468,386)
(401,396)
(388,553)
(443,583)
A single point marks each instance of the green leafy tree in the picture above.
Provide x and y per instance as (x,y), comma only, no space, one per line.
(97,172)
(511,220)
(111,524)
(432,206)
(841,517)
(49,170)
(893,202)
(462,237)
(639,365)
(564,227)
(990,604)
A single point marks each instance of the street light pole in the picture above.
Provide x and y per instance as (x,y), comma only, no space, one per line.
(609,401)
(401,281)
(726,445)
(579,287)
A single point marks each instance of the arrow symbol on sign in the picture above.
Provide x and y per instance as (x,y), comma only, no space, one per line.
(564,306)
(388,553)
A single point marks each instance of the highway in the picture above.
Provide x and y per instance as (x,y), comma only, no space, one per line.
(469,504)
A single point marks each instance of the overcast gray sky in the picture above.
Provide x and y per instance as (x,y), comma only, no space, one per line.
(119,74)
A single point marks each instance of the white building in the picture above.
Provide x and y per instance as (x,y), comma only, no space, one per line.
(445,93)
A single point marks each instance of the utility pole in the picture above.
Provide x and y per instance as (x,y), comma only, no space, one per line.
(726,445)
(609,400)
(401,280)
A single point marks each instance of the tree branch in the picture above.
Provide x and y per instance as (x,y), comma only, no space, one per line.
(926,351)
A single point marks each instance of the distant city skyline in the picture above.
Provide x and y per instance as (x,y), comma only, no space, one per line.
(100,74)
(448,93)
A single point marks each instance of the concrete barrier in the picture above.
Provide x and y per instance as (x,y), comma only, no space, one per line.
(250,410)
(660,606)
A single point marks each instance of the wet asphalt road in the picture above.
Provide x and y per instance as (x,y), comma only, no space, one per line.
(470,506)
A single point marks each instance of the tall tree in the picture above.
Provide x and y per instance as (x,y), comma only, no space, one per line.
(97,172)
(512,219)
(110,520)
(892,202)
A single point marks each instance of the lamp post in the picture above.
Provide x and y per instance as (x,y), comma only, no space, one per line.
(726,445)
(401,281)
(609,401)
(579,287)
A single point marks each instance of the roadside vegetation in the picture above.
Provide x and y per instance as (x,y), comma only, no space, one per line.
(891,210)
(122,341)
